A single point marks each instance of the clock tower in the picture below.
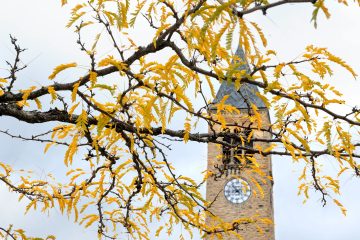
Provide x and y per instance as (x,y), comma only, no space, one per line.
(240,188)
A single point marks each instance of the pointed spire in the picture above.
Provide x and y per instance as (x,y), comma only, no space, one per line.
(246,95)
(241,55)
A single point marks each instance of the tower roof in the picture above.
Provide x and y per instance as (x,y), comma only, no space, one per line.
(246,95)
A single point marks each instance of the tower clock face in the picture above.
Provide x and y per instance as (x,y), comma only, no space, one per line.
(237,190)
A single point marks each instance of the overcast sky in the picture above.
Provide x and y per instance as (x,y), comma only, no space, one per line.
(39,26)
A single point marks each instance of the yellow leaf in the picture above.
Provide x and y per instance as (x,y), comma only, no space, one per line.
(91,219)
(72,109)
(47,146)
(277,71)
(158,231)
(159,31)
(32,203)
(22,234)
(71,150)
(300,139)
(38,103)
(303,175)
(342,208)
(258,186)
(271,52)
(121,66)
(52,92)
(187,128)
(342,171)
(82,121)
(74,91)
(26,94)
(93,77)
(60,68)
(74,18)
(211,86)
(342,63)
(257,116)
(261,34)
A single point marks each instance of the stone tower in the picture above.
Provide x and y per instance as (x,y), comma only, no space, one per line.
(234,189)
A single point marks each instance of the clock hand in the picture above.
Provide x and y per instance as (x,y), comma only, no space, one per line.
(240,191)
(235,187)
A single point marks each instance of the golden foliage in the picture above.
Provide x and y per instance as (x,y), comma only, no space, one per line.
(117,128)
(61,68)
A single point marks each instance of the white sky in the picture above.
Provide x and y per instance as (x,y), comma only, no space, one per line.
(39,26)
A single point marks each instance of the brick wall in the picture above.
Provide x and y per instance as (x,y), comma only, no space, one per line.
(256,205)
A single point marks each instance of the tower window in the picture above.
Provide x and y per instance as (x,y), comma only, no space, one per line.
(226,151)
(236,155)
